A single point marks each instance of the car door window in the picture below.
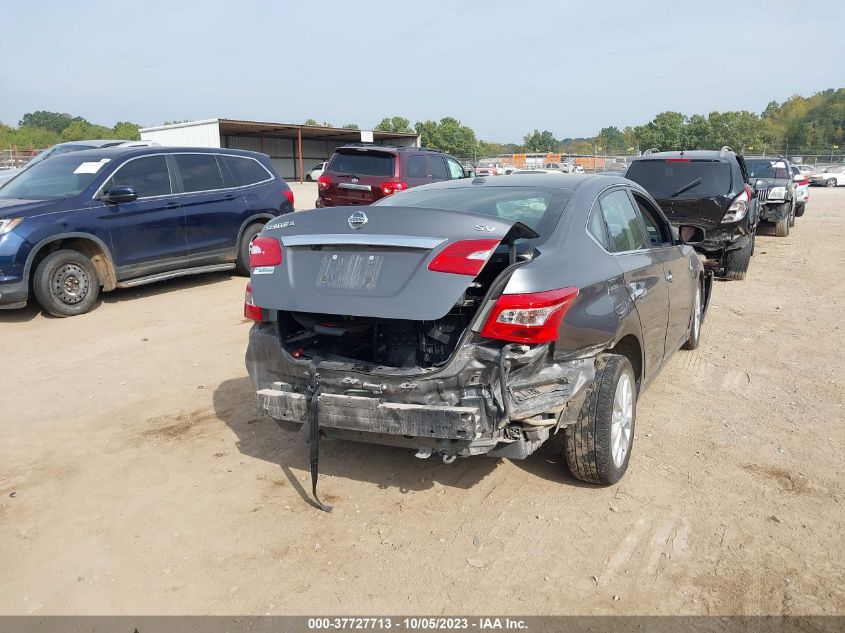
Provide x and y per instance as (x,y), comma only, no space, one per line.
(438,168)
(658,232)
(624,227)
(199,172)
(147,175)
(455,169)
(416,166)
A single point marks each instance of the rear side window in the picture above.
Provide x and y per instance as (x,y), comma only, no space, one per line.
(623,225)
(240,172)
(596,228)
(199,172)
(362,164)
(682,179)
(416,166)
(148,175)
(438,168)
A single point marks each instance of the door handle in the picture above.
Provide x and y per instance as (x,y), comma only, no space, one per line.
(638,291)
(230,196)
(670,277)
(171,205)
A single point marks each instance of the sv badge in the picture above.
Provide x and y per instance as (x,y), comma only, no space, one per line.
(485,227)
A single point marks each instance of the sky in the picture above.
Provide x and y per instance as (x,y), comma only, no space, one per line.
(501,67)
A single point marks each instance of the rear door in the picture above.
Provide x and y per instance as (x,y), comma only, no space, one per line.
(148,235)
(642,268)
(437,169)
(680,280)
(356,176)
(415,170)
(213,210)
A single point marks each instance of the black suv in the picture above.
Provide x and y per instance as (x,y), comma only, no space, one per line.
(363,173)
(707,189)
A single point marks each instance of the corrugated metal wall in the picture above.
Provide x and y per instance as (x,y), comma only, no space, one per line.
(202,134)
(282,152)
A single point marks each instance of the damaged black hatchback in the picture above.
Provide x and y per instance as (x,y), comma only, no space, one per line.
(475,317)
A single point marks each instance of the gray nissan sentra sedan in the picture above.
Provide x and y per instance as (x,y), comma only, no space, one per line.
(475,316)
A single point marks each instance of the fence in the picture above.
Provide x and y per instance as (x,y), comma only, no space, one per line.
(13,157)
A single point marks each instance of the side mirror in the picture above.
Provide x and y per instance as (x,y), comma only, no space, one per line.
(797,178)
(119,194)
(470,173)
(690,234)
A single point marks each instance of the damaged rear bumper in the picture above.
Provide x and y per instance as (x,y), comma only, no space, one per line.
(458,409)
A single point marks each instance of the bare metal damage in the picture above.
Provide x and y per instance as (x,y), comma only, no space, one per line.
(462,408)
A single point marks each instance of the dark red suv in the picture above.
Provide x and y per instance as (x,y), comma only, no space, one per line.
(364,173)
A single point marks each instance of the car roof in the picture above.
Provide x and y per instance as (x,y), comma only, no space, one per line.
(561,181)
(701,154)
(128,152)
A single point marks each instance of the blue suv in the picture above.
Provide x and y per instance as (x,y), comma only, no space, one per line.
(116,218)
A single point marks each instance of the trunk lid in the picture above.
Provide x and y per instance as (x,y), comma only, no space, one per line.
(377,269)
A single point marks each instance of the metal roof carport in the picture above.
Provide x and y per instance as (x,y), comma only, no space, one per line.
(294,149)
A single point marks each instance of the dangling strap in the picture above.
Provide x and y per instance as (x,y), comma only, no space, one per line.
(314,429)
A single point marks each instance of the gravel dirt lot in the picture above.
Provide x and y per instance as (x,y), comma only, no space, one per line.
(136,476)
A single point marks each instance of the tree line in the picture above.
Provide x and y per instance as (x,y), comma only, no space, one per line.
(42,129)
(814,124)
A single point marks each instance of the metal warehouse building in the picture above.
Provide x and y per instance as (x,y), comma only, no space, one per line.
(294,149)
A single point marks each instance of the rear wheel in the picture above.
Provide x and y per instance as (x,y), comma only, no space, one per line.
(831,182)
(66,283)
(792,216)
(242,263)
(308,178)
(799,209)
(736,261)
(598,446)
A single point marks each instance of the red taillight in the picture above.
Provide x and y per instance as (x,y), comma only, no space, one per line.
(677,160)
(289,196)
(323,183)
(388,188)
(801,183)
(529,318)
(464,258)
(265,251)
(251,311)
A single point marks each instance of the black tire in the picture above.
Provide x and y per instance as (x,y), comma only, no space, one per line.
(830,182)
(66,283)
(782,226)
(792,216)
(736,261)
(696,320)
(587,443)
(308,178)
(799,209)
(242,263)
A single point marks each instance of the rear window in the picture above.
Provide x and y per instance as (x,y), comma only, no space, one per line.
(199,172)
(681,179)
(767,168)
(362,164)
(537,207)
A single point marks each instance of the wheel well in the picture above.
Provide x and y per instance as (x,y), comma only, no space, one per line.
(91,249)
(629,347)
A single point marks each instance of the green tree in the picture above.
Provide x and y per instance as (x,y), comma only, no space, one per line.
(311,122)
(450,135)
(350,126)
(396,124)
(539,141)
(81,129)
(126,130)
(697,133)
(53,121)
(665,132)
(612,139)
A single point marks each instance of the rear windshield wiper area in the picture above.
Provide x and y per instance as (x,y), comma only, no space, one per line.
(687,187)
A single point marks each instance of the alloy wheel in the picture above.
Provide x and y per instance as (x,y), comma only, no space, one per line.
(621,424)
